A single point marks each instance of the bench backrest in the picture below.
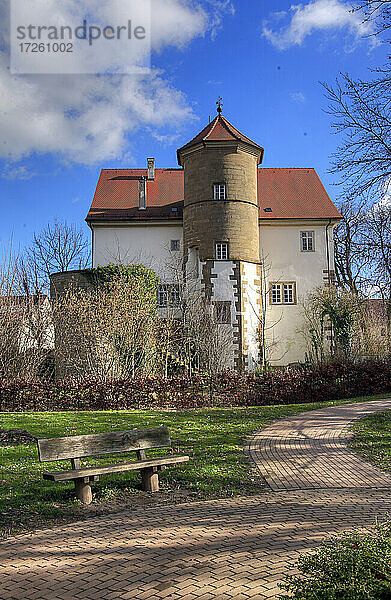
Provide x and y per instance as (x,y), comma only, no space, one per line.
(102,443)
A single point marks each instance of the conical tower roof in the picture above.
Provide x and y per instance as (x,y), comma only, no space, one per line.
(220,130)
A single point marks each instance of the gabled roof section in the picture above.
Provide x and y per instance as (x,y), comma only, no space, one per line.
(286,193)
(117,197)
(219,130)
(293,194)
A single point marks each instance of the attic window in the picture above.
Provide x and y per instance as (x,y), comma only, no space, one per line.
(268,209)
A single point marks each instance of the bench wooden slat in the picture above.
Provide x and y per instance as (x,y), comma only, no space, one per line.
(139,464)
(108,443)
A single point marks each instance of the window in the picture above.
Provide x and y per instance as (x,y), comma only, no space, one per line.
(307,241)
(283,293)
(175,245)
(168,295)
(287,293)
(222,312)
(222,251)
(219,191)
(162,296)
(276,297)
(174,295)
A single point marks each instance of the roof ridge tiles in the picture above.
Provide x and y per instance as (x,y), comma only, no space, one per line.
(215,120)
(206,134)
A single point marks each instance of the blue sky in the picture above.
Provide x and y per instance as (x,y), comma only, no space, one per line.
(264,57)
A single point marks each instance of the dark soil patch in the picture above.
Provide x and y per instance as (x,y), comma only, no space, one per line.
(16,437)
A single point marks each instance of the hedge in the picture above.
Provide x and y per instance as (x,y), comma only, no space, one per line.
(281,386)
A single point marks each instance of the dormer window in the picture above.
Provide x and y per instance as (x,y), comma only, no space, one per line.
(221,251)
(219,191)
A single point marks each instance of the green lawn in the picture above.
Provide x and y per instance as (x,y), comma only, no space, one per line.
(372,439)
(214,439)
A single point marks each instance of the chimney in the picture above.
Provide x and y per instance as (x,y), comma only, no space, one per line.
(151,169)
(142,193)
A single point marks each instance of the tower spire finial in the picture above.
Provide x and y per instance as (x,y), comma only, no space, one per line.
(219,104)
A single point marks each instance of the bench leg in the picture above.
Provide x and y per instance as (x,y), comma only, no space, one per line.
(150,479)
(83,490)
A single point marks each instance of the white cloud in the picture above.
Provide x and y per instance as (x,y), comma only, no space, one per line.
(175,23)
(385,201)
(304,19)
(83,119)
(17,172)
(89,119)
(166,139)
(297,97)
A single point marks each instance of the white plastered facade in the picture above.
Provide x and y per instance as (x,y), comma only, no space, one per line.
(282,260)
(139,243)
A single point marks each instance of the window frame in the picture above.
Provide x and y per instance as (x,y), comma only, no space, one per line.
(306,239)
(162,288)
(221,245)
(227,316)
(281,285)
(175,295)
(217,186)
(172,294)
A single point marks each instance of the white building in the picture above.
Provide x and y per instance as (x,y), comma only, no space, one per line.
(257,240)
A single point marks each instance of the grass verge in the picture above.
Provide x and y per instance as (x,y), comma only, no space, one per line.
(372,439)
(214,439)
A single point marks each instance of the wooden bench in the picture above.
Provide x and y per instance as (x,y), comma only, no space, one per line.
(77,447)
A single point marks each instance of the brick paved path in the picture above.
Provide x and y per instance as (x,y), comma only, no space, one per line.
(217,550)
(308,451)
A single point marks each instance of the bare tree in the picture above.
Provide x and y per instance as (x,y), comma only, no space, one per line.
(208,344)
(361,112)
(331,320)
(25,333)
(375,9)
(352,259)
(58,247)
(362,115)
(378,243)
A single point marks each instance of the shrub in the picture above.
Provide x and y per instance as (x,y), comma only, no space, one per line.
(347,567)
(107,330)
(282,386)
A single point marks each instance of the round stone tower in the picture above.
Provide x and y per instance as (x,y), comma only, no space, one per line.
(221,156)
(221,233)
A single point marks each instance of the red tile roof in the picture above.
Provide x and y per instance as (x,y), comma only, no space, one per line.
(289,193)
(219,130)
(293,194)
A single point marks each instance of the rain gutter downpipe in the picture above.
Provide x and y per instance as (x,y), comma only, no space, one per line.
(328,251)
